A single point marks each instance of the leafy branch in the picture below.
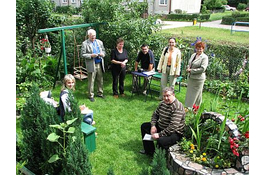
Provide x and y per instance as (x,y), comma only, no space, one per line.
(53,137)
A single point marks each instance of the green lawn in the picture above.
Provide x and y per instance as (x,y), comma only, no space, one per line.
(118,126)
(209,34)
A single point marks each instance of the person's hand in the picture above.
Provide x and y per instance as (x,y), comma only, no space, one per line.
(176,76)
(94,55)
(100,54)
(155,136)
(123,64)
(188,70)
(153,130)
(159,71)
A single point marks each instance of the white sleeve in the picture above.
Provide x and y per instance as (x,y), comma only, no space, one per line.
(66,104)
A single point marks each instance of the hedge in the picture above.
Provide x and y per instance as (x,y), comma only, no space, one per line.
(189,17)
(228,20)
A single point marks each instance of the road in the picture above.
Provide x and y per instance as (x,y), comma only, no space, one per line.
(214,24)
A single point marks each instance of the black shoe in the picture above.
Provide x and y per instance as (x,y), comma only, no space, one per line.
(143,152)
(92,99)
(101,96)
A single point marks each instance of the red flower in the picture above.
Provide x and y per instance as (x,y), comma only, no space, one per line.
(247,134)
(233,120)
(242,119)
(195,108)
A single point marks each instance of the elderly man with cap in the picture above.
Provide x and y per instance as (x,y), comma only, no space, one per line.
(93,51)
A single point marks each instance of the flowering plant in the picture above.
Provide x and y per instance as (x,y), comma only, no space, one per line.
(45,43)
(209,143)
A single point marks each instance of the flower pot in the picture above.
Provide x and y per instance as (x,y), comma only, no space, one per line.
(48,50)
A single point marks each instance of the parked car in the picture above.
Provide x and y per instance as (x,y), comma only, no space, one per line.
(227,7)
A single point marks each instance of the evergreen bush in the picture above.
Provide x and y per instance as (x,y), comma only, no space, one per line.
(159,164)
(35,120)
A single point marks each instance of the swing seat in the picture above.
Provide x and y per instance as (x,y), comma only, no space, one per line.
(80,73)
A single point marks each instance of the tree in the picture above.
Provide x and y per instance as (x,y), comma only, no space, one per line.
(214,4)
(32,15)
(124,20)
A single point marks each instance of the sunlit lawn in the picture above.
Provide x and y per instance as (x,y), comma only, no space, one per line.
(209,34)
(118,126)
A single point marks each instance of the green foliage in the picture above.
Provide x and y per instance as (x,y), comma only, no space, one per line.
(123,23)
(159,164)
(53,137)
(241,6)
(214,4)
(35,120)
(188,17)
(32,15)
(110,171)
(236,16)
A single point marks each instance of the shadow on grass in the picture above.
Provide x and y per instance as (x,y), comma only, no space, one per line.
(135,146)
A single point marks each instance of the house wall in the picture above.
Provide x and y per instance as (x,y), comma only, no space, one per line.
(190,6)
(77,3)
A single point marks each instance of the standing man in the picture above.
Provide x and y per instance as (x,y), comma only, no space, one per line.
(147,60)
(93,51)
(167,123)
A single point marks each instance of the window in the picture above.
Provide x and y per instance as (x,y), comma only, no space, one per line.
(162,2)
(73,1)
(64,1)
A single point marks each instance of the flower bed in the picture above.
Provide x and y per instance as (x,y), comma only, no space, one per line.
(214,141)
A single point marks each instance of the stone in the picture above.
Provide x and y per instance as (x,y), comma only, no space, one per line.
(230,170)
(244,160)
(196,166)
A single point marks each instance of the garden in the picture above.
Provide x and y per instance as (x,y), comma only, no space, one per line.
(45,146)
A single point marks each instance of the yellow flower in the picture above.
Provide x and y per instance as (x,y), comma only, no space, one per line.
(204,159)
(191,151)
(204,154)
(216,166)
(191,145)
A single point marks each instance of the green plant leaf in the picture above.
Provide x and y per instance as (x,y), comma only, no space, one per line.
(53,137)
(56,126)
(54,158)
(71,130)
(69,122)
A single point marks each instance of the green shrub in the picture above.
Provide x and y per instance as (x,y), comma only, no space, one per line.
(35,120)
(159,164)
(236,16)
(241,6)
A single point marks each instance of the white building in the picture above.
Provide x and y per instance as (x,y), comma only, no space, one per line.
(168,6)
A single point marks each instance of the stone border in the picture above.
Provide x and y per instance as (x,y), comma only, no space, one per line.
(180,164)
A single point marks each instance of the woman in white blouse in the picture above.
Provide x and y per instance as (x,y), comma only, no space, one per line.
(169,65)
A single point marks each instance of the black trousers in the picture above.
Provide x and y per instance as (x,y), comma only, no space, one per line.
(163,142)
(118,74)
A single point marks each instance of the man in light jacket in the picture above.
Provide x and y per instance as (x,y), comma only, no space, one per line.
(93,51)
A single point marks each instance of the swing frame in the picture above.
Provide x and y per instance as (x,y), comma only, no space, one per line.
(63,50)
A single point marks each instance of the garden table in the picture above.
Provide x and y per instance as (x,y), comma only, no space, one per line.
(138,80)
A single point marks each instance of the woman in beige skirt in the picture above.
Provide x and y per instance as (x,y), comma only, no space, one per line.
(196,68)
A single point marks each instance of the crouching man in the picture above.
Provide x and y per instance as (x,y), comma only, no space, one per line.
(167,123)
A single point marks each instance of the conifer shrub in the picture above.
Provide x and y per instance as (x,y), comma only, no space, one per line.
(35,120)
(159,164)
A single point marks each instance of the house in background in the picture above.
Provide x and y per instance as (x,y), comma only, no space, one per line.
(169,6)
(74,3)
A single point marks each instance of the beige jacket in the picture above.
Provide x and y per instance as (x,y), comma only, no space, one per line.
(87,51)
(198,66)
(175,62)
